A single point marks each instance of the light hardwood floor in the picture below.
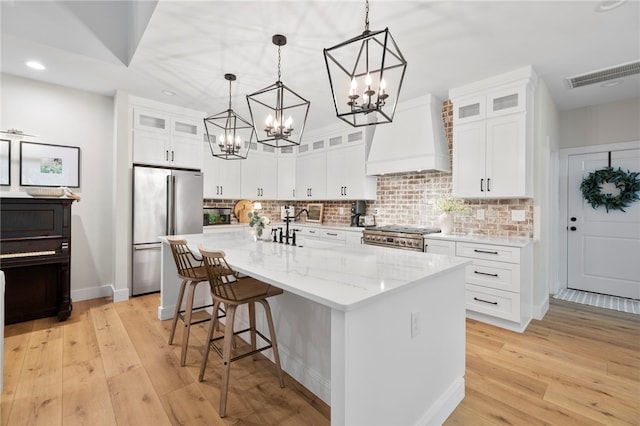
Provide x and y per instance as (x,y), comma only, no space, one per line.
(110,364)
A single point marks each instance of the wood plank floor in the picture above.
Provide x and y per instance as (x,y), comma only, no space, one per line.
(111,364)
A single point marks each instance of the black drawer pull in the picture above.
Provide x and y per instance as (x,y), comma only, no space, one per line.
(485,301)
(333,234)
(485,273)
(484,251)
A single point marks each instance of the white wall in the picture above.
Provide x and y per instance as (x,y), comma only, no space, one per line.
(63,116)
(599,124)
(545,205)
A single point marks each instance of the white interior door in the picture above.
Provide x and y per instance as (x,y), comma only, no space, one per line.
(603,248)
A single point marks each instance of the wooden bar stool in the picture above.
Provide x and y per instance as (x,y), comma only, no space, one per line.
(228,288)
(192,272)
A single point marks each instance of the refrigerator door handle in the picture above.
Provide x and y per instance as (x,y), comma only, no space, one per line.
(173,205)
(168,208)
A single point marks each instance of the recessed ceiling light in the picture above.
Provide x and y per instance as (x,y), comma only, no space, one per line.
(611,83)
(169,92)
(608,5)
(35,65)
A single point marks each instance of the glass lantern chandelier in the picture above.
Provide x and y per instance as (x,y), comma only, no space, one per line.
(234,132)
(281,110)
(365,74)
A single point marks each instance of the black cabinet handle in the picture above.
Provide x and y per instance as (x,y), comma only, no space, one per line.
(166,155)
(485,251)
(488,183)
(481,187)
(485,273)
(573,219)
(485,301)
(332,234)
(573,228)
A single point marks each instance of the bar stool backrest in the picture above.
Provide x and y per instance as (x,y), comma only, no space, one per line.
(221,275)
(185,260)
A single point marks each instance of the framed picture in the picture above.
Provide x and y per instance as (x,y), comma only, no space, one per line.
(5,162)
(49,165)
(315,213)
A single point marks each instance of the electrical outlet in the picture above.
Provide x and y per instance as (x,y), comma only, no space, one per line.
(376,212)
(341,211)
(517,215)
(480,214)
(415,324)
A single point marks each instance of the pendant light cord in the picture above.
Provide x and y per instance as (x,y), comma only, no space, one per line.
(279,57)
(366,16)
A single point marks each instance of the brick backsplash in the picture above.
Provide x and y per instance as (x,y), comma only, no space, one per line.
(407,199)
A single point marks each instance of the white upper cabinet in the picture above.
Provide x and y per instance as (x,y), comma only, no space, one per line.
(260,173)
(163,138)
(221,178)
(493,137)
(346,177)
(311,181)
(287,173)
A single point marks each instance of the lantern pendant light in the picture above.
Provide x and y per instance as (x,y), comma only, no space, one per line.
(366,74)
(278,113)
(234,133)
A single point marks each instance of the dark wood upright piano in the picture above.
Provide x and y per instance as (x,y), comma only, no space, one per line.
(35,255)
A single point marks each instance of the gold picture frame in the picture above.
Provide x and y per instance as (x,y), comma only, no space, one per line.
(314,212)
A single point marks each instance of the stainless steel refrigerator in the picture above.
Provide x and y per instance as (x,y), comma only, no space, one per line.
(165,202)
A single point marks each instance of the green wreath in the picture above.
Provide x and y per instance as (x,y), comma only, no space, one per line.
(627,182)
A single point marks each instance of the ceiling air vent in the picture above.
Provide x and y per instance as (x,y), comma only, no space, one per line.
(604,75)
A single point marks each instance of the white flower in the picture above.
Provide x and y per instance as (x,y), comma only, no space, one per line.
(265,220)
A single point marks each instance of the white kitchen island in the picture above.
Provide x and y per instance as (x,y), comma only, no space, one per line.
(377,333)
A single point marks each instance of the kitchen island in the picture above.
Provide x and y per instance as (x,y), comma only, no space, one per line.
(377,333)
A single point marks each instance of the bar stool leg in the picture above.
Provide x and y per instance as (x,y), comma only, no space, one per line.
(252,328)
(187,322)
(274,341)
(176,315)
(212,327)
(226,358)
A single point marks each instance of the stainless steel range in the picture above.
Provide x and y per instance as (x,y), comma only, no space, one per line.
(403,237)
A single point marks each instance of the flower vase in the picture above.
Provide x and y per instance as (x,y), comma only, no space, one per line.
(445,220)
(259,230)
(266,234)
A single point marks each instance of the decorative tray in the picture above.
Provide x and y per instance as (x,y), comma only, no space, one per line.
(45,192)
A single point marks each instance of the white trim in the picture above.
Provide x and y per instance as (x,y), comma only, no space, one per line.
(540,310)
(91,293)
(563,182)
(444,406)
(121,295)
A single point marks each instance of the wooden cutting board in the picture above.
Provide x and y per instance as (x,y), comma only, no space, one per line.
(241,209)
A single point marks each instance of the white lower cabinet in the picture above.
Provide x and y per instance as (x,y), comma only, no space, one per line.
(499,281)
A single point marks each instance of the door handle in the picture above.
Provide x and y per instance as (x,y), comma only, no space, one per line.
(573,228)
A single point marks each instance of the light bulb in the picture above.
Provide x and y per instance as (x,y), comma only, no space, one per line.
(289,122)
(269,121)
(383,85)
(367,80)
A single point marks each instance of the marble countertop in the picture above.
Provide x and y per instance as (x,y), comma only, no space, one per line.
(340,277)
(338,226)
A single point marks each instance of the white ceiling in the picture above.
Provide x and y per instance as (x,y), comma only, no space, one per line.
(188,46)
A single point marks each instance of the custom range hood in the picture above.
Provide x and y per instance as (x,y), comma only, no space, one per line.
(414,141)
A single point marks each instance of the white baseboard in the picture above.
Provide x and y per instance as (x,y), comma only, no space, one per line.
(93,293)
(166,312)
(120,295)
(444,406)
(540,310)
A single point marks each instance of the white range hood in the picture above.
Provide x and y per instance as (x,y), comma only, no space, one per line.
(414,141)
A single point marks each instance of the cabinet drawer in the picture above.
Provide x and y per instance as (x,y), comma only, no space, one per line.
(501,304)
(325,234)
(497,275)
(440,247)
(488,252)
